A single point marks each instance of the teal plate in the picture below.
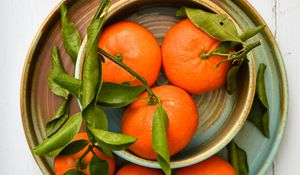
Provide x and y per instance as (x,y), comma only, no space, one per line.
(261,151)
(37,102)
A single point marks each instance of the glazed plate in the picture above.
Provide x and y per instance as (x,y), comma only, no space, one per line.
(38,103)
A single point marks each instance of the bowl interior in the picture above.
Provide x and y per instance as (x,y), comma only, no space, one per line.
(221,115)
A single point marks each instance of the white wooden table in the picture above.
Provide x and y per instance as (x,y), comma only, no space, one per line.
(20,20)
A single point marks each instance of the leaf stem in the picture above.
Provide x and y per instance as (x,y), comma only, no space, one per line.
(153,98)
(101,8)
(206,55)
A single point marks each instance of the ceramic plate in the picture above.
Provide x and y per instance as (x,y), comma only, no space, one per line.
(38,103)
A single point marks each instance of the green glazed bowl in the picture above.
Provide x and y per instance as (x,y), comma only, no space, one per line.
(222,116)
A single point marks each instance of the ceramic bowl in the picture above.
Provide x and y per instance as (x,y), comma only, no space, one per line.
(221,115)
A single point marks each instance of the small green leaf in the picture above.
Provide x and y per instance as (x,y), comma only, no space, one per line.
(238,158)
(74,172)
(251,32)
(98,166)
(115,141)
(231,83)
(61,138)
(259,114)
(219,26)
(69,83)
(95,117)
(74,147)
(225,46)
(159,138)
(58,118)
(260,85)
(70,35)
(56,70)
(118,95)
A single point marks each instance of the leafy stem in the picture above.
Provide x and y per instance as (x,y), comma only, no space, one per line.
(233,55)
(79,161)
(153,98)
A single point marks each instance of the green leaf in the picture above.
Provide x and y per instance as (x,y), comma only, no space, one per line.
(115,141)
(95,117)
(98,166)
(69,83)
(159,138)
(92,77)
(219,26)
(74,172)
(231,82)
(238,158)
(260,85)
(56,70)
(70,35)
(58,118)
(105,149)
(54,153)
(259,114)
(251,32)
(118,95)
(91,66)
(62,137)
(224,47)
(74,147)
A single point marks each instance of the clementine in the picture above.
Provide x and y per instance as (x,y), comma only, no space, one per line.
(182,124)
(184,67)
(64,163)
(131,169)
(136,47)
(213,165)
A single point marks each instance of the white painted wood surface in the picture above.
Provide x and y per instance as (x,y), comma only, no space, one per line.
(20,20)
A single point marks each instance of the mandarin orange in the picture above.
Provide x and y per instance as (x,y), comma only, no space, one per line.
(184,67)
(211,166)
(131,169)
(182,124)
(136,47)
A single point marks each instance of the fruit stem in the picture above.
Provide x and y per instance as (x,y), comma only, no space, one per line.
(153,98)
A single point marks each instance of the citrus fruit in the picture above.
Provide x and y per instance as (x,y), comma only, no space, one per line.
(182,62)
(131,169)
(64,163)
(182,124)
(136,47)
(211,166)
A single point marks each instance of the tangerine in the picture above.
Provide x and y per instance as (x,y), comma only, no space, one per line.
(213,165)
(136,47)
(131,169)
(182,124)
(64,163)
(184,67)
